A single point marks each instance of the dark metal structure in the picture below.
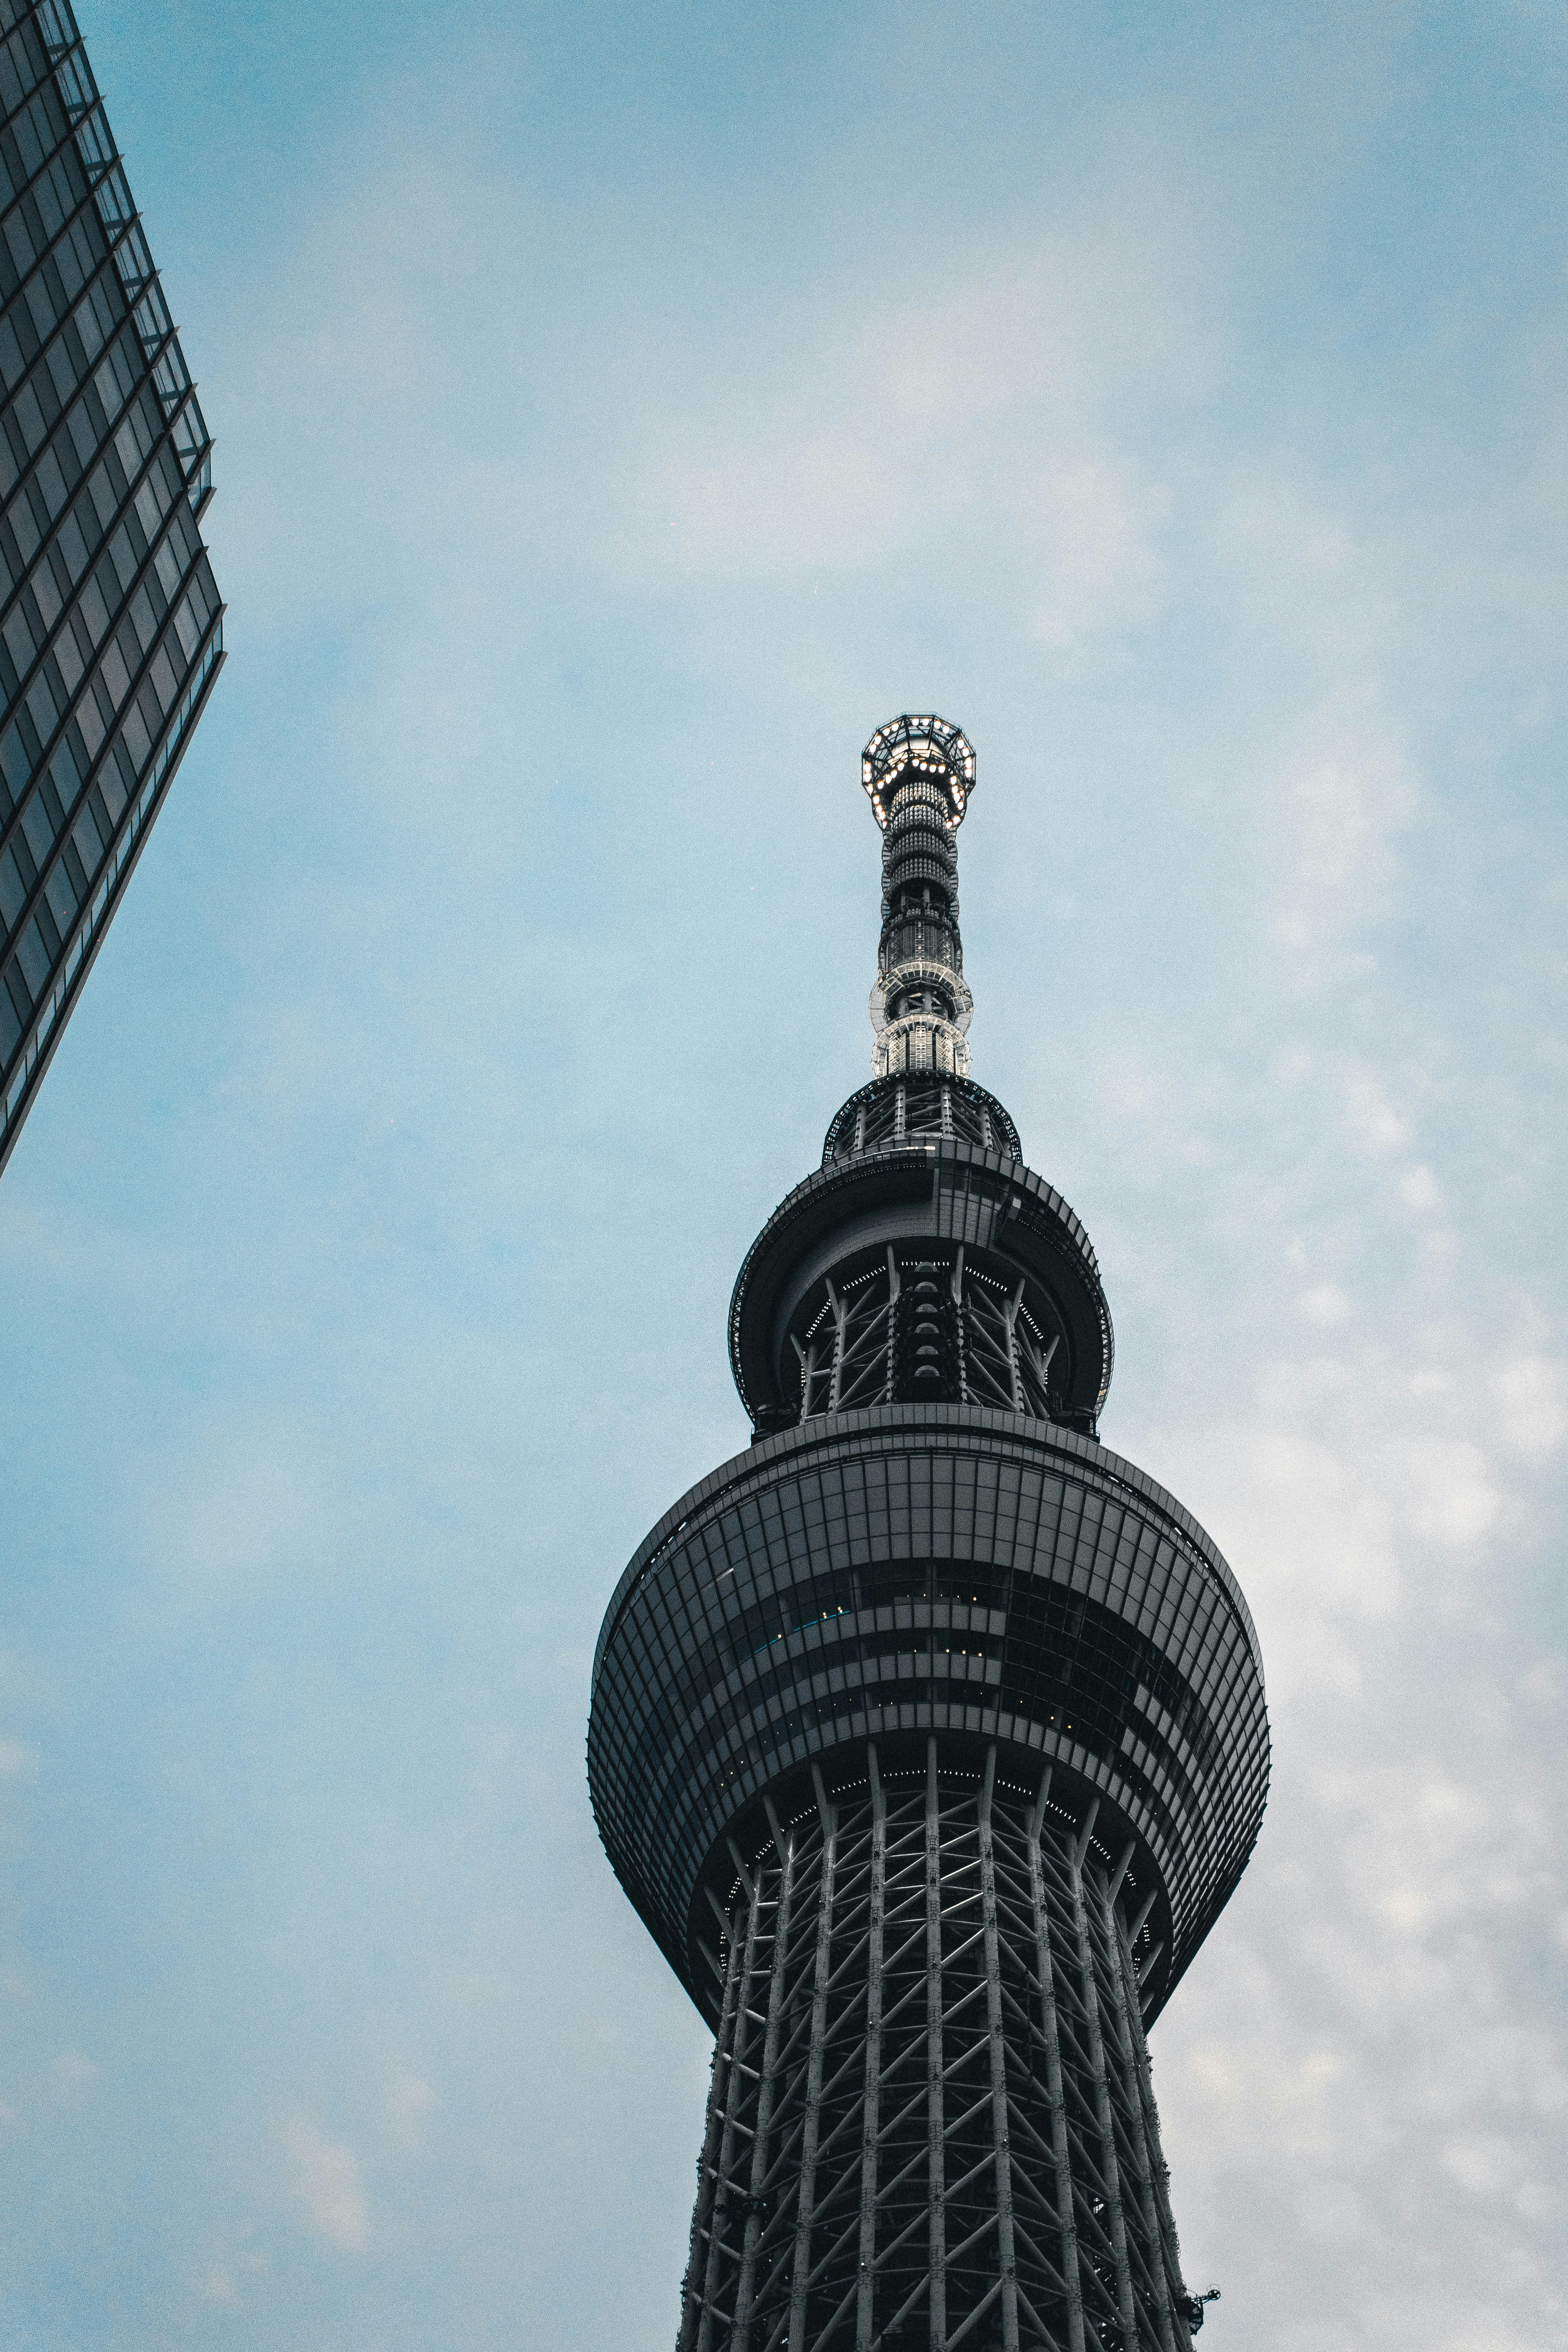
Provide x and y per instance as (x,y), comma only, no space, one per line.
(111,623)
(928,1736)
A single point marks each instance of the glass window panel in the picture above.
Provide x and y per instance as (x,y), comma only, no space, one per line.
(60,892)
(15,761)
(89,327)
(69,659)
(33,130)
(29,417)
(104,314)
(84,440)
(18,638)
(135,735)
(34,958)
(41,705)
(19,242)
(65,776)
(47,594)
(18,990)
(46,196)
(72,546)
(168,568)
(68,261)
(90,723)
(13,890)
(94,608)
(62,373)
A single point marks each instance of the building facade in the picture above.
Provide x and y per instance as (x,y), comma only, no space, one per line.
(928,1736)
(112,632)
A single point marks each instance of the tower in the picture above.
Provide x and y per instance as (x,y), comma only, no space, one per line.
(111,623)
(928,1736)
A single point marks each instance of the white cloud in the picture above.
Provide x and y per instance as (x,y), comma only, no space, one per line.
(1370,1117)
(409,2099)
(1341,809)
(326,2180)
(1418,1189)
(1325,1304)
(1484,2164)
(1453,1494)
(1530,1394)
(1105,574)
(1368,2056)
(224,2279)
(888,447)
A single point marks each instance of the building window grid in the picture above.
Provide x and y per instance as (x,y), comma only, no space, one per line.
(164,361)
(143,574)
(120,416)
(164,632)
(104,542)
(68,831)
(116,212)
(84,211)
(79,954)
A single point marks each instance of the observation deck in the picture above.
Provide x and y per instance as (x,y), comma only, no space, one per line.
(890,1572)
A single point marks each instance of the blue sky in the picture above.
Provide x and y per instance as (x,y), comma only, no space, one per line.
(620,412)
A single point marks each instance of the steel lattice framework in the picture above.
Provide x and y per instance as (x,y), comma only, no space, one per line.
(930,2094)
(928,1736)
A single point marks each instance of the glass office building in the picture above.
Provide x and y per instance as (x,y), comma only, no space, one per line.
(112,626)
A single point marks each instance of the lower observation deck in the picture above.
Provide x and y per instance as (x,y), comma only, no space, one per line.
(907,1570)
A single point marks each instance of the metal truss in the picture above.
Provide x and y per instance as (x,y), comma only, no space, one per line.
(932,2121)
(932,1328)
(893,1112)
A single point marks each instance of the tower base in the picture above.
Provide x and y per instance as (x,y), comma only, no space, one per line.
(931,2122)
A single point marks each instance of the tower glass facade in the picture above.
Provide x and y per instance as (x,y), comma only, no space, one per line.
(111,627)
(928,1736)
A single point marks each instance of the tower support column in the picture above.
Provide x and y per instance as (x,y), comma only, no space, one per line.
(1056,2101)
(865,2284)
(719,2090)
(811,2129)
(936,2144)
(703,2316)
(1001,2135)
(1109,2167)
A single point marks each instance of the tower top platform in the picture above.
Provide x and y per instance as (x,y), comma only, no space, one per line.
(926,746)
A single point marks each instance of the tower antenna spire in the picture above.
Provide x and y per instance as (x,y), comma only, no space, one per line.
(918,773)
